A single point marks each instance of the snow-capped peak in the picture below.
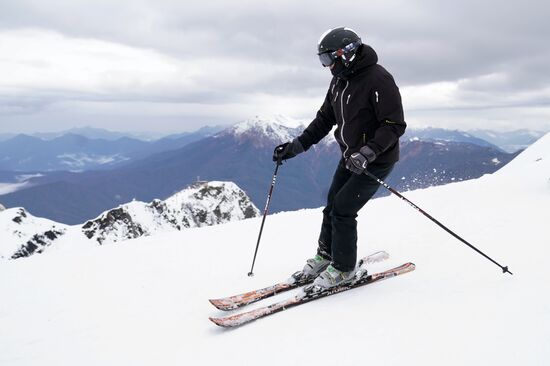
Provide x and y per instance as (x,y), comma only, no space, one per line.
(279,119)
(276,127)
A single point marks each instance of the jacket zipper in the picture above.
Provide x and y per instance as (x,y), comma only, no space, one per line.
(343,119)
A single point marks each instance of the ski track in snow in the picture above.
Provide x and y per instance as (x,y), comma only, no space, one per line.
(144,301)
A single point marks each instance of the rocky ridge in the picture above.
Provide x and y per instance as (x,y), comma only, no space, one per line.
(201,204)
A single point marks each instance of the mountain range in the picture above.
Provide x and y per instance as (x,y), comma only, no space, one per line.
(242,154)
(509,141)
(440,134)
(85,149)
(104,134)
(81,149)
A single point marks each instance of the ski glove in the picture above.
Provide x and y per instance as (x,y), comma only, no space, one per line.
(358,162)
(288,150)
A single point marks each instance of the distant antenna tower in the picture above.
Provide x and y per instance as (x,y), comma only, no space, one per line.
(198,182)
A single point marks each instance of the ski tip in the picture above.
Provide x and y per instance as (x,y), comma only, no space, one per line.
(407,267)
(216,321)
(219,322)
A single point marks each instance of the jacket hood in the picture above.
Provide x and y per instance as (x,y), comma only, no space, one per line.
(366,56)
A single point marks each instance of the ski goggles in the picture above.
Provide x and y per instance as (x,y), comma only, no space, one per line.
(347,53)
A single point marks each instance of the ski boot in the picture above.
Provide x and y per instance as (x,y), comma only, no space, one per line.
(331,277)
(314,266)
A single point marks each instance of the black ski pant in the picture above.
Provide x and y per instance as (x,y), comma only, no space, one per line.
(348,193)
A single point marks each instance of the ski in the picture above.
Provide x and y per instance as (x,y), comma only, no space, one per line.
(296,280)
(308,295)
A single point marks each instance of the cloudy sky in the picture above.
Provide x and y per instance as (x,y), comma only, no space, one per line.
(171,66)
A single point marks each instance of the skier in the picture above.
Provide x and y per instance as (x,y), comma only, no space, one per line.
(364,102)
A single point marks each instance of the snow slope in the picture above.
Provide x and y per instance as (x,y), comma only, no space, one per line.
(144,302)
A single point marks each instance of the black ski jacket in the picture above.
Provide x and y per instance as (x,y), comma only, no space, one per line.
(366,106)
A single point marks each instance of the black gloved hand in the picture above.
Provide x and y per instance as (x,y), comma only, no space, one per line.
(358,162)
(288,150)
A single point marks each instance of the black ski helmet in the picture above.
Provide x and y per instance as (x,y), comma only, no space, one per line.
(338,42)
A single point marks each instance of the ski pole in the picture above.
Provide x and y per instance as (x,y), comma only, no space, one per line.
(380,181)
(251,273)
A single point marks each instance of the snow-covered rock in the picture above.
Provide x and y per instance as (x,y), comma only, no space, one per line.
(210,203)
(22,234)
(2,208)
(206,203)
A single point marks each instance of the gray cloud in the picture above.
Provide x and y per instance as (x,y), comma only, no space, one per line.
(495,51)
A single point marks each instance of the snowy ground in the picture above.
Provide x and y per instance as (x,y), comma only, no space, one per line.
(144,302)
